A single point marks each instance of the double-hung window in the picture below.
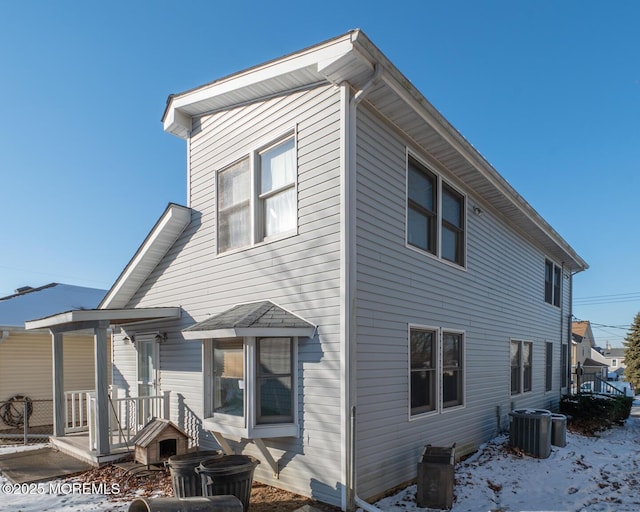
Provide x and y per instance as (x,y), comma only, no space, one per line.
(278,189)
(274,380)
(234,206)
(548,376)
(435,214)
(245,217)
(451,369)
(421,207)
(552,283)
(452,225)
(521,354)
(423,370)
(436,378)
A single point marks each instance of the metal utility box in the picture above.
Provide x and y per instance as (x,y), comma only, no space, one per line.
(530,431)
(559,430)
(436,470)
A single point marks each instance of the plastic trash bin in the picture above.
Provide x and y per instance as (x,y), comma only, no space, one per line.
(530,431)
(193,504)
(559,430)
(228,475)
(184,479)
(435,481)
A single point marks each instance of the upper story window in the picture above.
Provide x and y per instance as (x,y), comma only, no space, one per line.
(245,217)
(552,283)
(234,206)
(435,214)
(452,225)
(278,189)
(421,207)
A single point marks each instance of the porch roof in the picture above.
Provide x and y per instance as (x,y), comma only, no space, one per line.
(87,318)
(262,318)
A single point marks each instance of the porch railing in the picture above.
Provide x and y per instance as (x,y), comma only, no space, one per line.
(127,415)
(77,411)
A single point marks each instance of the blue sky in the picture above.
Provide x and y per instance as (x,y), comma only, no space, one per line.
(548,92)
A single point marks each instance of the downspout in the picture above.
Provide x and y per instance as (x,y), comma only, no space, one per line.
(352,498)
(570,328)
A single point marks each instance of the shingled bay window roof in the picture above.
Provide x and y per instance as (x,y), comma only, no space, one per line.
(251,319)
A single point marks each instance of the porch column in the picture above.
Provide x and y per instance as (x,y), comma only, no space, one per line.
(102,394)
(59,402)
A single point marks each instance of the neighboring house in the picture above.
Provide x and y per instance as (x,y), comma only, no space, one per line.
(350,281)
(583,342)
(615,360)
(25,356)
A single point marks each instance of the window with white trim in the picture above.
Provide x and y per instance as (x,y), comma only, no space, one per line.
(278,189)
(436,369)
(548,376)
(423,370)
(252,387)
(245,217)
(521,354)
(451,369)
(436,214)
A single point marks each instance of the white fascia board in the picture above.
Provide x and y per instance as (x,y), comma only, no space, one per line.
(150,253)
(321,57)
(177,123)
(97,315)
(300,332)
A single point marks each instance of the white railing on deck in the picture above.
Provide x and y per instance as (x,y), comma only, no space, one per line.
(127,416)
(77,411)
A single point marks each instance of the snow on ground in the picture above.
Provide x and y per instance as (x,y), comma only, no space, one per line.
(589,474)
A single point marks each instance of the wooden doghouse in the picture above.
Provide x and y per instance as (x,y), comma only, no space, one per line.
(158,440)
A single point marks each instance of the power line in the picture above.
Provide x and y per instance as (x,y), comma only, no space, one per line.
(615,298)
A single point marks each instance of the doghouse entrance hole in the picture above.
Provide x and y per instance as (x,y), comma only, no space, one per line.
(168,448)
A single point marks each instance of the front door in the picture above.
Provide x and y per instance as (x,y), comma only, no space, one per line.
(147,366)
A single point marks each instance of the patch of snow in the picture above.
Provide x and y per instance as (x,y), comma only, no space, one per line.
(588,474)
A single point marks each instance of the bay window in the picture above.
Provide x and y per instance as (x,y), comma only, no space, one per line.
(252,389)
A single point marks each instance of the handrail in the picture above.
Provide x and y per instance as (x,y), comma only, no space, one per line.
(127,415)
(612,390)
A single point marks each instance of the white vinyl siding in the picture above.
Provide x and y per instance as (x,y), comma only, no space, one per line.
(300,273)
(397,286)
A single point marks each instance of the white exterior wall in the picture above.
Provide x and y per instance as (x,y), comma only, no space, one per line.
(498,297)
(300,273)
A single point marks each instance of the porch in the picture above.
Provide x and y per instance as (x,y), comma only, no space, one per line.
(127,415)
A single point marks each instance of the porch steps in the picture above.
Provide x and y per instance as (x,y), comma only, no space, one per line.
(77,445)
